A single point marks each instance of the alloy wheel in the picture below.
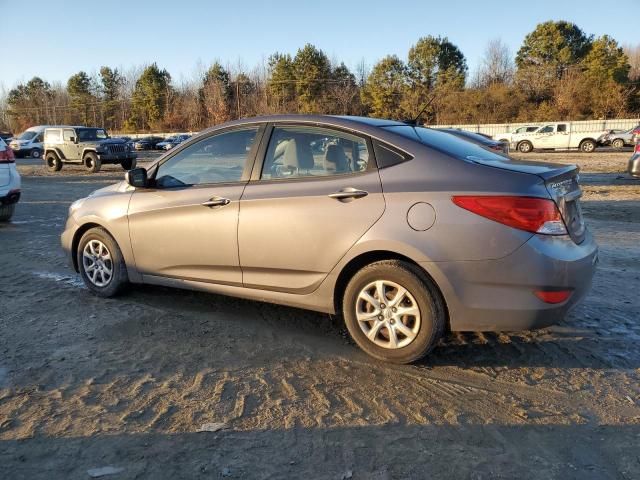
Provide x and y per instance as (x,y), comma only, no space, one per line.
(97,263)
(388,314)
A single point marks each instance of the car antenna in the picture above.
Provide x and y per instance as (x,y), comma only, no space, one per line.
(414,121)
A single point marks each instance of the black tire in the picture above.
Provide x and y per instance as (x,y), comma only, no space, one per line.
(525,147)
(36,153)
(618,143)
(53,162)
(6,212)
(128,164)
(424,292)
(119,279)
(587,146)
(91,162)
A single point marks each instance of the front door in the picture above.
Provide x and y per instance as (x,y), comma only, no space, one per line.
(186,225)
(70,146)
(318,193)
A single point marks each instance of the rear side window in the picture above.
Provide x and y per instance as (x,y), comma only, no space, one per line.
(301,151)
(387,156)
(52,136)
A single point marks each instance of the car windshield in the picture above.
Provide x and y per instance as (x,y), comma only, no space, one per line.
(447,143)
(28,135)
(85,134)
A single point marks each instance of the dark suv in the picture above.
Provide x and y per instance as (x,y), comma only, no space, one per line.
(88,146)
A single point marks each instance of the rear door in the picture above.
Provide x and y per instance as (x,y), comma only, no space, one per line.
(317,192)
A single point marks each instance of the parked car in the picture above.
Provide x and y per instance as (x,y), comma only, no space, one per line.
(634,162)
(30,142)
(479,139)
(147,143)
(617,138)
(171,142)
(506,137)
(407,231)
(6,136)
(9,182)
(89,146)
(556,136)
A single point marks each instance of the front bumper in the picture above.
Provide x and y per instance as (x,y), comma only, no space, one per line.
(634,165)
(10,198)
(66,239)
(497,295)
(116,157)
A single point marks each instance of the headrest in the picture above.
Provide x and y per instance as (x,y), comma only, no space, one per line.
(298,155)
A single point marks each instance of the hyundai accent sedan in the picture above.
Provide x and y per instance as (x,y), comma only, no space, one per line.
(408,232)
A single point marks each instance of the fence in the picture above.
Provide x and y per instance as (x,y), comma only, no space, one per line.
(494,129)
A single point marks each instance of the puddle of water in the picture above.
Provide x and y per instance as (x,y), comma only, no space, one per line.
(74,281)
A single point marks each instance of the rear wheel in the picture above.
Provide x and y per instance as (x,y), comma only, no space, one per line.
(587,146)
(92,162)
(393,311)
(129,163)
(525,147)
(53,162)
(617,143)
(6,212)
(101,264)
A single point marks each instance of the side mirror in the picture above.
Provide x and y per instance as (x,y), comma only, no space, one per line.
(136,177)
(73,139)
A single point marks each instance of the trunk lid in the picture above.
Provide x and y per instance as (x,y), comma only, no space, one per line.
(561,181)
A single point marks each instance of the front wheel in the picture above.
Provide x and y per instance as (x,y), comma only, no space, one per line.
(6,212)
(92,162)
(35,153)
(393,311)
(101,263)
(587,146)
(128,164)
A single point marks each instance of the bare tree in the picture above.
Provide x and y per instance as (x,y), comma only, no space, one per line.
(633,54)
(497,64)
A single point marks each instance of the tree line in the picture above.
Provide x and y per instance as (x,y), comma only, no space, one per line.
(559,72)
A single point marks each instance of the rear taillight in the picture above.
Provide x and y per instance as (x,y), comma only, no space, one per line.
(536,215)
(7,156)
(552,296)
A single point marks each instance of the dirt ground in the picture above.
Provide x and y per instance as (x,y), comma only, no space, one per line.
(126,383)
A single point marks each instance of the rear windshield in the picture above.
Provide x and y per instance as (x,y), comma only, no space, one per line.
(447,143)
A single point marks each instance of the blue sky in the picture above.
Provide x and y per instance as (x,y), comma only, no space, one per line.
(56,39)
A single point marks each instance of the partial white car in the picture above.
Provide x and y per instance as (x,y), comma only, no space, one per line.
(506,136)
(9,182)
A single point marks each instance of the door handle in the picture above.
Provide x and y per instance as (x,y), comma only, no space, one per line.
(216,202)
(348,193)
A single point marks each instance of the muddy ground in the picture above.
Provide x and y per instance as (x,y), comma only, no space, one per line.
(126,383)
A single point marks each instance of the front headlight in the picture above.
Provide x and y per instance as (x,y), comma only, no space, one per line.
(75,206)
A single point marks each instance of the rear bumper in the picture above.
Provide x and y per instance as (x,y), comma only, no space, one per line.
(634,165)
(497,295)
(10,198)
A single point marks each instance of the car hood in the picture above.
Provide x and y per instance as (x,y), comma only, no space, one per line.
(119,187)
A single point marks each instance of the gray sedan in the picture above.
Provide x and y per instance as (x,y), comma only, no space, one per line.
(408,232)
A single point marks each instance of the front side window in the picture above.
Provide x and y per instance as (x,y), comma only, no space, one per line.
(313,152)
(547,129)
(68,135)
(217,159)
